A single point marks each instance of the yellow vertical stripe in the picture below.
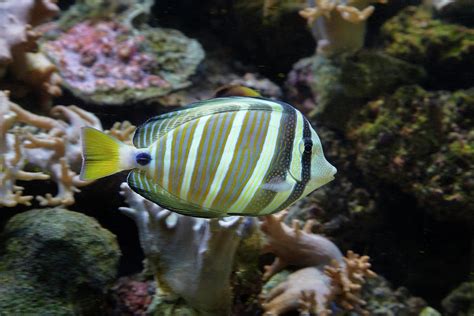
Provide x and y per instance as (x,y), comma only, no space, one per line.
(192,157)
(262,166)
(227,157)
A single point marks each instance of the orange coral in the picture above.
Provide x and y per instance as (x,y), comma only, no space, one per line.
(347,280)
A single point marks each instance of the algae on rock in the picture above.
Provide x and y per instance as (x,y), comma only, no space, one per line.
(422,142)
(460,301)
(343,84)
(55,262)
(445,50)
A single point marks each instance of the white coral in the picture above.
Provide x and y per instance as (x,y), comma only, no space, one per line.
(39,142)
(338,25)
(192,258)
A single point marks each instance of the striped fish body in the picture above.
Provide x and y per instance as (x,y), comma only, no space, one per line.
(229,156)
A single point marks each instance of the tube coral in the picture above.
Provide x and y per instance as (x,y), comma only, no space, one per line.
(192,258)
(338,25)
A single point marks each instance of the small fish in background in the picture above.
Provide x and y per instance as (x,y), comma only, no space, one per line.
(225,156)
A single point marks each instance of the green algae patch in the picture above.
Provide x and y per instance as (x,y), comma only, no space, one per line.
(423,143)
(444,49)
(343,84)
(55,262)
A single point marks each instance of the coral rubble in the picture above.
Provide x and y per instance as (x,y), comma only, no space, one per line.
(55,262)
(338,25)
(423,143)
(192,258)
(108,62)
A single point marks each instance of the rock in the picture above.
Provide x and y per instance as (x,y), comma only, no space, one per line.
(460,301)
(341,85)
(114,63)
(423,143)
(445,50)
(382,299)
(55,262)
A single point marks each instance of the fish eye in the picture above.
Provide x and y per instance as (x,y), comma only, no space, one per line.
(143,159)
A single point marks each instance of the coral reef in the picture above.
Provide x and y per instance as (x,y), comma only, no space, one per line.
(445,50)
(338,26)
(18,44)
(192,258)
(107,62)
(55,262)
(423,143)
(35,147)
(339,95)
(327,277)
(460,301)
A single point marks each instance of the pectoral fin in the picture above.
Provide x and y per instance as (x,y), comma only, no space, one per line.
(277,185)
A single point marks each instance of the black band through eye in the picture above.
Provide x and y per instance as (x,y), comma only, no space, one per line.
(143,159)
(308,146)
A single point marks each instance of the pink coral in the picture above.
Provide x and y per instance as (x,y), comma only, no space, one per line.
(135,296)
(103,56)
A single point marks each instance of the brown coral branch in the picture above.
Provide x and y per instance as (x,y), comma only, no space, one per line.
(123,131)
(347,281)
(294,246)
(27,117)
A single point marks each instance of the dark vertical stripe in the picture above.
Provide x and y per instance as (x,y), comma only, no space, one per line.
(281,161)
(305,171)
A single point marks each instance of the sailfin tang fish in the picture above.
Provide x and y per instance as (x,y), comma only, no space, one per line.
(224,156)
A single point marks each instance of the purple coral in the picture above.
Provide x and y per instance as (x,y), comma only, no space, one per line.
(104,56)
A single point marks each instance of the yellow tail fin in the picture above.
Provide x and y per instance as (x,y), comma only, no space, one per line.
(100,154)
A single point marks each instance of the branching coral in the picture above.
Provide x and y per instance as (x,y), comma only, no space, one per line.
(328,276)
(338,25)
(18,41)
(30,141)
(295,246)
(192,258)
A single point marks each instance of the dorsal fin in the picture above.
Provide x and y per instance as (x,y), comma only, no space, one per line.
(158,126)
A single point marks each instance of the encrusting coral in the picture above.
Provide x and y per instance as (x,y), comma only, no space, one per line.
(18,44)
(338,25)
(105,59)
(327,276)
(33,142)
(192,258)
